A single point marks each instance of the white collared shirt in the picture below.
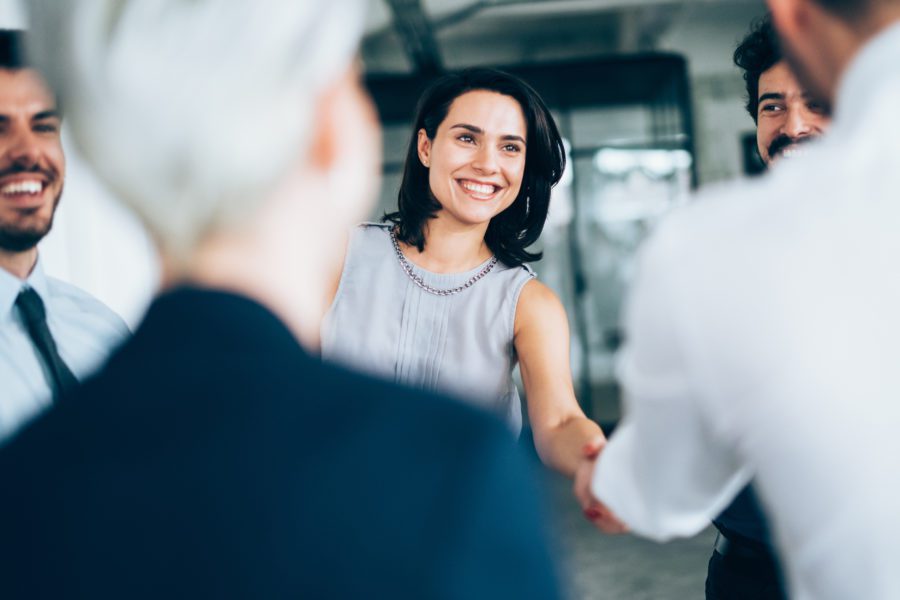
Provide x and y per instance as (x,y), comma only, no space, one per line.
(84,329)
(763,340)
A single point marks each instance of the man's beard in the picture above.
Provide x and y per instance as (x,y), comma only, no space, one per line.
(783,141)
(24,231)
(18,238)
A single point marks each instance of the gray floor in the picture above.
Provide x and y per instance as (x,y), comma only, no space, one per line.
(596,566)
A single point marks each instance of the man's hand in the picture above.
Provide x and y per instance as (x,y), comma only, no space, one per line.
(594,510)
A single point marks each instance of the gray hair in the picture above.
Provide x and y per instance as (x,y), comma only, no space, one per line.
(191,110)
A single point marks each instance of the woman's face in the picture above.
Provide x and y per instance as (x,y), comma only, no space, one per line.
(477,157)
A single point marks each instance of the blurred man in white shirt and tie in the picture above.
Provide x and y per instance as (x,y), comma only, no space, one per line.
(763,334)
(51,333)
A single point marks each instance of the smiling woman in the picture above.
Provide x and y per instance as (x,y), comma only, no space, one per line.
(439,295)
(476,122)
(475,171)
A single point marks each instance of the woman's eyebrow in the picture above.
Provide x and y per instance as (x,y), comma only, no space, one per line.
(479,130)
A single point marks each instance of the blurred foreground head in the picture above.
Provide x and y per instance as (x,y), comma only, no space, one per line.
(821,37)
(203,114)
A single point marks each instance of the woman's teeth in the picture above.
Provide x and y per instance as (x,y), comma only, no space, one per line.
(479,188)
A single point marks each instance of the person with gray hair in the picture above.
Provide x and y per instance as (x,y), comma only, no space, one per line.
(215,455)
(762,333)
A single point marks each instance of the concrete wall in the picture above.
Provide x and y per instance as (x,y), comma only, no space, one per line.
(707,35)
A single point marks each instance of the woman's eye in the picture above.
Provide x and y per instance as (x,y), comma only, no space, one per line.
(511,148)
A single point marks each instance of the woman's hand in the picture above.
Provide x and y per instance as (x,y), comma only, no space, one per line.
(594,510)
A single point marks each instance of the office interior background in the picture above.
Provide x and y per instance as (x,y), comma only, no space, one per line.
(651,107)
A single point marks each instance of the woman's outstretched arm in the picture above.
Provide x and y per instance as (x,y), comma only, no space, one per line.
(560,427)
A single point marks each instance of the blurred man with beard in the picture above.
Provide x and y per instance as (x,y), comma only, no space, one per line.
(744,562)
(762,334)
(51,333)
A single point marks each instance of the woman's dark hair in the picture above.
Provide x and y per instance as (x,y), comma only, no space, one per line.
(510,233)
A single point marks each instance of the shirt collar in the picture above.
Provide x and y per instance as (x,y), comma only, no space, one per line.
(10,286)
(869,70)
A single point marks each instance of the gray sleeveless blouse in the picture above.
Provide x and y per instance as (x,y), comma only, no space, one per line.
(384,324)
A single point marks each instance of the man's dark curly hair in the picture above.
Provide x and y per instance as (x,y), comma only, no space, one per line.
(757,53)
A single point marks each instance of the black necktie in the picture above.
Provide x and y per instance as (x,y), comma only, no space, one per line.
(32,307)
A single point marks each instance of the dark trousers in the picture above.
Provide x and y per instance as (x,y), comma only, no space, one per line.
(739,577)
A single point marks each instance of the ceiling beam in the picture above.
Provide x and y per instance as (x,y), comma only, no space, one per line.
(417,35)
(565,6)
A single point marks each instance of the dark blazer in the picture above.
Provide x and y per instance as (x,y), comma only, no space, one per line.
(213,457)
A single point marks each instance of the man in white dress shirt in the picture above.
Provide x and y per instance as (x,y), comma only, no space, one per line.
(51,333)
(764,334)
(744,563)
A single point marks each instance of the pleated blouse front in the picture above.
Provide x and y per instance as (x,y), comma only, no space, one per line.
(382,323)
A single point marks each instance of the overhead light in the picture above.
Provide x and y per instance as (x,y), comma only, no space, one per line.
(654,163)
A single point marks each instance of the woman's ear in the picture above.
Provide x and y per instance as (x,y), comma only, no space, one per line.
(423,145)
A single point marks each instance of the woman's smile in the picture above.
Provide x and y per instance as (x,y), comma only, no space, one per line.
(479,190)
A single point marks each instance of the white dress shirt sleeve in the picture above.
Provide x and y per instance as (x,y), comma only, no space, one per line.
(665,472)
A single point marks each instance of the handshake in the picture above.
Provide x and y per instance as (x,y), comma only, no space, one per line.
(594,510)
